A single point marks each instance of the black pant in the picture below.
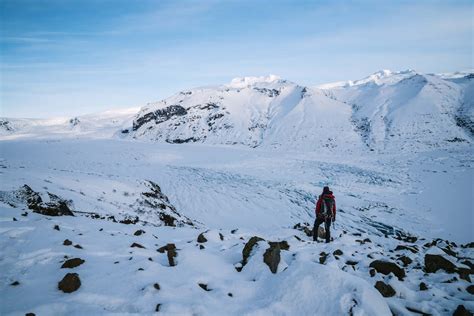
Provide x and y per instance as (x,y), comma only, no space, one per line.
(327,226)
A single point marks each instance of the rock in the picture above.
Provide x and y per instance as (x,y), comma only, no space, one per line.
(78,246)
(221,237)
(202,247)
(351,262)
(372,272)
(423,286)
(447,250)
(271,257)
(67,242)
(55,207)
(56,227)
(70,283)
(15,283)
(322,257)
(385,289)
(337,252)
(434,263)
(468,245)
(167,219)
(406,260)
(157,308)
(246,252)
(461,311)
(233,231)
(30,314)
(201,238)
(386,267)
(230,295)
(136,245)
(130,220)
(470,289)
(156,286)
(171,253)
(139,232)
(204,287)
(464,274)
(72,263)
(413,249)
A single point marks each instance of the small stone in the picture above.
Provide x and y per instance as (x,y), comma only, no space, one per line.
(67,242)
(221,236)
(69,283)
(337,252)
(202,247)
(157,286)
(372,272)
(14,219)
(230,295)
(72,263)
(423,286)
(322,257)
(30,314)
(385,289)
(158,306)
(136,245)
(139,232)
(406,260)
(204,287)
(78,246)
(24,214)
(15,283)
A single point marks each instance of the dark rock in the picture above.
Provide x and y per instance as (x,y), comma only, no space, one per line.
(202,247)
(139,232)
(233,231)
(434,263)
(469,245)
(385,289)
(423,286)
(56,206)
(30,314)
(15,283)
(322,257)
(271,257)
(78,246)
(204,287)
(201,238)
(464,274)
(221,236)
(386,267)
(56,227)
(470,289)
(461,311)
(171,253)
(167,219)
(406,260)
(136,245)
(246,252)
(72,263)
(24,214)
(230,295)
(304,227)
(351,262)
(158,306)
(372,272)
(413,249)
(157,286)
(67,242)
(130,220)
(159,116)
(69,283)
(448,251)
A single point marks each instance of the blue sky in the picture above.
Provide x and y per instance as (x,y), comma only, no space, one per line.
(65,58)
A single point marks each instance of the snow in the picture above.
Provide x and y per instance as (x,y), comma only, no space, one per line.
(258,178)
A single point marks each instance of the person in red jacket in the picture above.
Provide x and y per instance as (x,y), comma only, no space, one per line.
(325,213)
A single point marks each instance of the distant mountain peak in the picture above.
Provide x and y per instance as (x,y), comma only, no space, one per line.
(241,82)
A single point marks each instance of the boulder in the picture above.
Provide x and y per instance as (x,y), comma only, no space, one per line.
(434,263)
(470,289)
(72,263)
(201,238)
(67,242)
(337,252)
(271,257)
(139,232)
(385,289)
(387,267)
(423,286)
(406,260)
(69,283)
(461,311)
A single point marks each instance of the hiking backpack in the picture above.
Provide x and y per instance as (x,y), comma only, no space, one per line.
(326,207)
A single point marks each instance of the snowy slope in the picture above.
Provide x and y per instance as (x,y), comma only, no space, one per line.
(96,125)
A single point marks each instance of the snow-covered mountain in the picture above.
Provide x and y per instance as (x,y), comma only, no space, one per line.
(387,111)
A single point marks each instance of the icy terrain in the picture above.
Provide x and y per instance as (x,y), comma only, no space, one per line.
(168,227)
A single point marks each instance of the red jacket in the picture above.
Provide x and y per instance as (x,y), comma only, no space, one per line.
(320,200)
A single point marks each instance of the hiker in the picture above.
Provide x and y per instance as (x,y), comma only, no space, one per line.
(325,213)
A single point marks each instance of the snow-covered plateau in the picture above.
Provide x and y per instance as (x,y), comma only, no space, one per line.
(203,203)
